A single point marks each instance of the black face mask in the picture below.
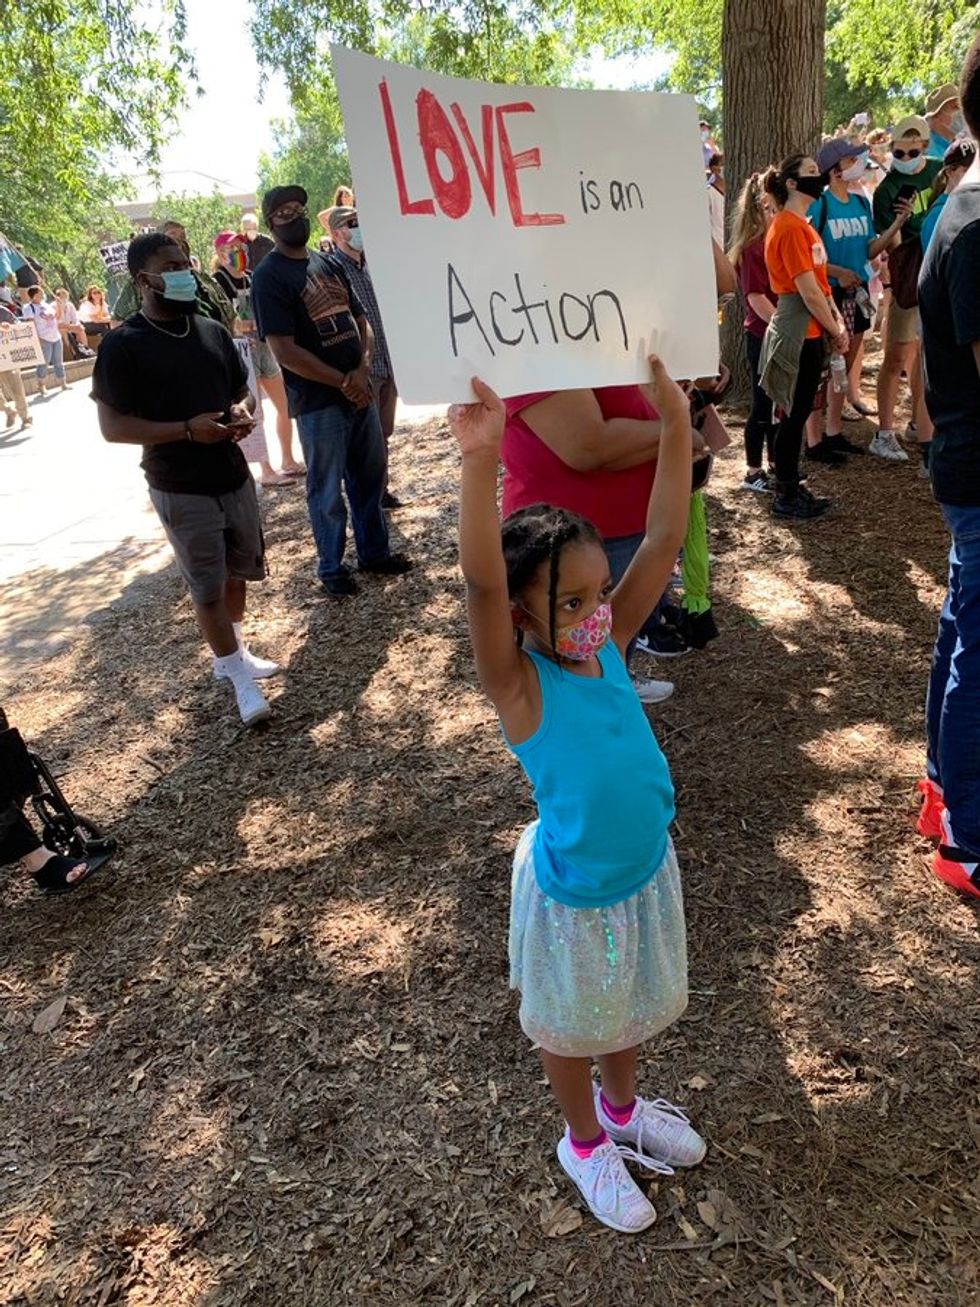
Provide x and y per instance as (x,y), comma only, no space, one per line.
(812,186)
(294,233)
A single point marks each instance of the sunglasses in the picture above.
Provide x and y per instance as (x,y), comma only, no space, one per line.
(906,154)
(287,215)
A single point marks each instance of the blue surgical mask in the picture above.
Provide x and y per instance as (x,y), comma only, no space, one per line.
(908,166)
(958,124)
(179,286)
(356,240)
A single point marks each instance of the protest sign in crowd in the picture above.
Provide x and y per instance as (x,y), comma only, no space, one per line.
(571,316)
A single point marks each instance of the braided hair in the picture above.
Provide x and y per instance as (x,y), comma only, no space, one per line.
(537,535)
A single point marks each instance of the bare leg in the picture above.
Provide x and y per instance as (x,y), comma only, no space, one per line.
(571,1084)
(215,618)
(814,428)
(617,1072)
(920,414)
(275,388)
(856,357)
(898,359)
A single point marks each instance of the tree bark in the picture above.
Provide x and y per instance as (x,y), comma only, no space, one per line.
(772,78)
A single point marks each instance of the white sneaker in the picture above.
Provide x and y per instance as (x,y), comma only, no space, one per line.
(252,703)
(648,691)
(657,1130)
(885,445)
(610,1192)
(259,668)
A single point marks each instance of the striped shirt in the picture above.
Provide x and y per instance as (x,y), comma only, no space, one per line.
(359,277)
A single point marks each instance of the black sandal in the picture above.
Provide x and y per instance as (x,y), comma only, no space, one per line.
(53,876)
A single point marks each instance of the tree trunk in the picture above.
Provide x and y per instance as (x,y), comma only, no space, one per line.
(772,78)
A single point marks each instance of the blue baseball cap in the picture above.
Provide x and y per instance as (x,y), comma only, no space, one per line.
(831,152)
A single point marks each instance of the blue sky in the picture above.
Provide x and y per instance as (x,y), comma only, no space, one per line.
(222,133)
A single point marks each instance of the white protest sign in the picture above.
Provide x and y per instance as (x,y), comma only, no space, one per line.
(19,346)
(541,238)
(114,256)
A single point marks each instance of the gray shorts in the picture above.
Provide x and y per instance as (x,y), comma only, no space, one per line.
(263,359)
(214,537)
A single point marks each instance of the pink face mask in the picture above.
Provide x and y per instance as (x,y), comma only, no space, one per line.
(581,641)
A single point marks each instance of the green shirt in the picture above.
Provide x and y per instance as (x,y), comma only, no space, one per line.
(887,193)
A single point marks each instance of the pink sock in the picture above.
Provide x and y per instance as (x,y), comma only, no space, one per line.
(586,1147)
(620,1115)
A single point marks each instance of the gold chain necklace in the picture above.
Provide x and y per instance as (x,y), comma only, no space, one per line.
(174,335)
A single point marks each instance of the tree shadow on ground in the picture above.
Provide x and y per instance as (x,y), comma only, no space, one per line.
(290,1071)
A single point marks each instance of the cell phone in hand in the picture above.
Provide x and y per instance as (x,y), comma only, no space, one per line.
(908,191)
(861,119)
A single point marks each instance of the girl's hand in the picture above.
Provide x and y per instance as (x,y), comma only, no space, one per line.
(666,395)
(478,426)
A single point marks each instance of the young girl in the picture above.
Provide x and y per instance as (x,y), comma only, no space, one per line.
(597,942)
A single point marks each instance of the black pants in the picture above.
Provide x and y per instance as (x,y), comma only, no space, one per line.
(760,429)
(16,835)
(789,433)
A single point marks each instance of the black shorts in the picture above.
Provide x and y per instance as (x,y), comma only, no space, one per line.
(857,323)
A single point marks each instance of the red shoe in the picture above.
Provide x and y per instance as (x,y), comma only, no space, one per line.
(929,823)
(959,869)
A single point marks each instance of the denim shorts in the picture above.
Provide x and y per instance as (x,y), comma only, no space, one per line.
(214,537)
(263,359)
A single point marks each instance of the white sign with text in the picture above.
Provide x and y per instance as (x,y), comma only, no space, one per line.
(544,239)
(19,346)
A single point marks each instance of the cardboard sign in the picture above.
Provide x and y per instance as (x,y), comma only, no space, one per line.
(544,239)
(19,346)
(114,256)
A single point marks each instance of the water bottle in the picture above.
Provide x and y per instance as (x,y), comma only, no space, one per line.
(838,373)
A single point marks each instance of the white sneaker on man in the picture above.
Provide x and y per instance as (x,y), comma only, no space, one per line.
(252,704)
(610,1192)
(649,691)
(657,1130)
(258,668)
(885,445)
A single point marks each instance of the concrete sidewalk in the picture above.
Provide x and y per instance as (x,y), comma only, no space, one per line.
(76,525)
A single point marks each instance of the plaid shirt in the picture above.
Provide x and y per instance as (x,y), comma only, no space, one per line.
(359,277)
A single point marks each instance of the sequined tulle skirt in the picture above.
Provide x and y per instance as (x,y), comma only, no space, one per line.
(597,980)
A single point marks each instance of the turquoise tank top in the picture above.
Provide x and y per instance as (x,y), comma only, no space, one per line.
(601,782)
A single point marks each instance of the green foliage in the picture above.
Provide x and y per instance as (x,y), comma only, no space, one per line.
(81,79)
(202,216)
(310,150)
(494,40)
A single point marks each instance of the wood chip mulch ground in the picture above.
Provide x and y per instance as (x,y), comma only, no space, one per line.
(276,1060)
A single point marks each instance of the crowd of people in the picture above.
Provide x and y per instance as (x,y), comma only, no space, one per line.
(835,242)
(602,490)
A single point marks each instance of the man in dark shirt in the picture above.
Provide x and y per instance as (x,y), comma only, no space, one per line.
(348,251)
(949,303)
(171,380)
(306,309)
(259,245)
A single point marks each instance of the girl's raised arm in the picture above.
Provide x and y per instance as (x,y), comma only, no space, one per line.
(635,598)
(478,429)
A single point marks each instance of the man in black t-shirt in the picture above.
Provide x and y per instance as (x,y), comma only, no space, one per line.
(306,309)
(172,381)
(949,304)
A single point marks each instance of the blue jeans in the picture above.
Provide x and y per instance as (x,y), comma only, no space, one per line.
(953,703)
(344,448)
(54,354)
(619,552)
